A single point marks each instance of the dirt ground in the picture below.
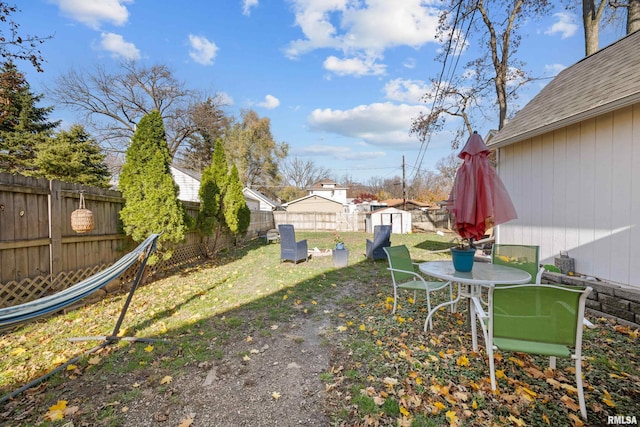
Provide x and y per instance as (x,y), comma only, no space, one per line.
(278,386)
(260,381)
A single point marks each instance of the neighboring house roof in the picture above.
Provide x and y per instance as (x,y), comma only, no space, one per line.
(310,196)
(256,195)
(326,185)
(400,202)
(191,173)
(598,84)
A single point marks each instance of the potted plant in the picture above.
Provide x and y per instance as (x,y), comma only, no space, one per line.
(462,255)
(338,241)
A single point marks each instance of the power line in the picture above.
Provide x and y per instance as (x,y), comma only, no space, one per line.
(425,143)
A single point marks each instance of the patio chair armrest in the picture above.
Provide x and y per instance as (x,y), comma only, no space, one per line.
(413,273)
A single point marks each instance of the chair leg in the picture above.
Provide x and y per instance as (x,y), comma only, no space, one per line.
(583,407)
(429,310)
(395,298)
(454,306)
(492,365)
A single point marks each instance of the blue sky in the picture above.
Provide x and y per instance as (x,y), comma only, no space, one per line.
(340,80)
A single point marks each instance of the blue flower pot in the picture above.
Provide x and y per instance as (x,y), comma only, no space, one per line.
(462,259)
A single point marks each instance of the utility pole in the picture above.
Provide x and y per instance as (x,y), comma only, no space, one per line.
(404,188)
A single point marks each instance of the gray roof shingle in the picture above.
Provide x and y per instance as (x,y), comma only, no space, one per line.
(605,81)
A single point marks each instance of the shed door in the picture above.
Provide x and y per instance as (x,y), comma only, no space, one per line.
(393,219)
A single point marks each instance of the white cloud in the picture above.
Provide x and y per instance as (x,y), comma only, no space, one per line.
(118,47)
(270,102)
(202,50)
(377,124)
(553,69)
(565,25)
(353,66)
(409,63)
(403,90)
(93,12)
(362,29)
(248,4)
(225,98)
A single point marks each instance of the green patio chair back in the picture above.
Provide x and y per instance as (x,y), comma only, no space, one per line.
(523,257)
(400,262)
(538,319)
(404,276)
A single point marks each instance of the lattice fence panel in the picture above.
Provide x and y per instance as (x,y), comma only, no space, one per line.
(14,293)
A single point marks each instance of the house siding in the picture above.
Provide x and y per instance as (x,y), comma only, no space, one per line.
(575,189)
(315,204)
(188,186)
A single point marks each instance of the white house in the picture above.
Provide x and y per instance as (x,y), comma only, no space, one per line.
(188,182)
(569,160)
(256,201)
(329,190)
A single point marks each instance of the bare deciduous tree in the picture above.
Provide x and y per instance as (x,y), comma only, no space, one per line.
(496,74)
(113,103)
(302,174)
(15,46)
(633,13)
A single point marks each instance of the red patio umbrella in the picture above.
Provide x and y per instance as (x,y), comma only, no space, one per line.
(479,199)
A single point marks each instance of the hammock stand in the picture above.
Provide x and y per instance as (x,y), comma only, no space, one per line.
(10,316)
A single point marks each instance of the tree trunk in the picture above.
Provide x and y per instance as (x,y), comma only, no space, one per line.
(590,21)
(633,16)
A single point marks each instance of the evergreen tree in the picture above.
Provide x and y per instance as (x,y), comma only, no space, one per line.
(72,156)
(23,125)
(212,188)
(236,212)
(151,196)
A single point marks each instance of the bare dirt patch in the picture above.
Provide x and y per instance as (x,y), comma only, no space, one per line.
(268,377)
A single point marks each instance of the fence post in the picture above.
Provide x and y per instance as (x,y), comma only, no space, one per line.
(55,228)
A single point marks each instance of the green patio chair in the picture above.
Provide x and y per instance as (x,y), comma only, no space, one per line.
(538,319)
(523,257)
(404,276)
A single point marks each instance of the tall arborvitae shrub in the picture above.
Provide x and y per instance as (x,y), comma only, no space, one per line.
(212,187)
(236,212)
(151,196)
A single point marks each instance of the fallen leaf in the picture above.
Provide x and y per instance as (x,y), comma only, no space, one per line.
(186,421)
(390,382)
(94,360)
(569,403)
(275,395)
(148,348)
(451,417)
(56,412)
(167,379)
(18,351)
(516,421)
(462,361)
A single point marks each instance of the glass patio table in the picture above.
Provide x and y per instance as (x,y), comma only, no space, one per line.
(470,286)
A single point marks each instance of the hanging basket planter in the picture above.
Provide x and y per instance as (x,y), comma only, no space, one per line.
(82,218)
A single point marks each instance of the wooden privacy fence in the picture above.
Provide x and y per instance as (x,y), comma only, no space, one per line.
(41,254)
